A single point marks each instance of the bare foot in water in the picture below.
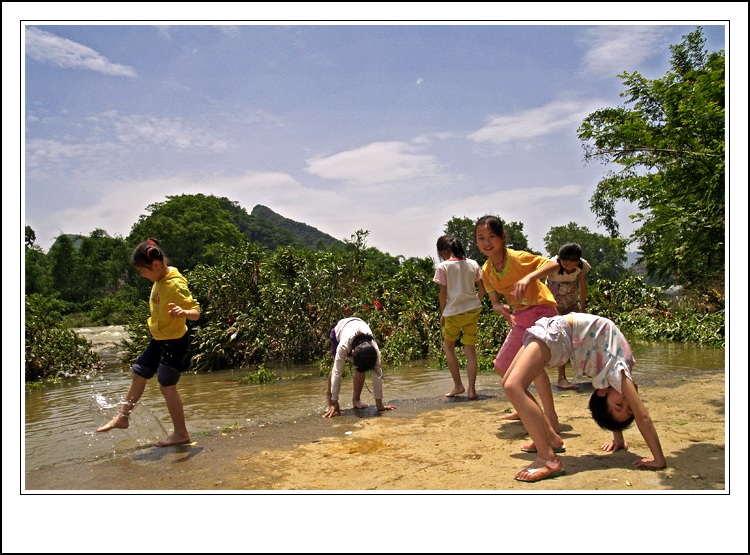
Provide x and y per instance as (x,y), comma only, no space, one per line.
(119,421)
(174,439)
(565,384)
(511,416)
(359,405)
(455,391)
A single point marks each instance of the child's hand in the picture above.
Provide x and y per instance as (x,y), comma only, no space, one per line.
(332,410)
(174,310)
(615,445)
(650,464)
(519,289)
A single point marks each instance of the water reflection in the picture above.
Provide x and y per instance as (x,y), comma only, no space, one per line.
(61,419)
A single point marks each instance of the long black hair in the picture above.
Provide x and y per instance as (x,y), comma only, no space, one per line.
(451,243)
(364,353)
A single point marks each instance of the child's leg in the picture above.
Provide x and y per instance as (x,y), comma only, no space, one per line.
(471,369)
(137,387)
(359,383)
(527,368)
(562,379)
(450,355)
(544,388)
(176,412)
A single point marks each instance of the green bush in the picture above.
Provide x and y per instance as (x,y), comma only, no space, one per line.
(53,351)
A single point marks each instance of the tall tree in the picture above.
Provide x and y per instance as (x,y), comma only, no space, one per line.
(606,255)
(191,228)
(670,144)
(36,278)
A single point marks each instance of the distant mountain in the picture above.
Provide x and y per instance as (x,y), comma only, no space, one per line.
(274,230)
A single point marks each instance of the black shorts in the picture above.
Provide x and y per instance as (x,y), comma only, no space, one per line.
(166,358)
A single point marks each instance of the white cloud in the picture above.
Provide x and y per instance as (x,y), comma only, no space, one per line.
(380,162)
(533,123)
(177,133)
(615,49)
(48,48)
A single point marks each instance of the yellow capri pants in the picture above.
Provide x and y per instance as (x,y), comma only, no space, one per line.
(466,322)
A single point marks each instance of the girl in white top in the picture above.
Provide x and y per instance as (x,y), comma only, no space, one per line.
(461,291)
(351,339)
(596,348)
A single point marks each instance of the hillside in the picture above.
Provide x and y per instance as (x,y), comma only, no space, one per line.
(274,230)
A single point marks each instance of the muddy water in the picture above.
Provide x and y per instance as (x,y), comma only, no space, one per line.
(60,419)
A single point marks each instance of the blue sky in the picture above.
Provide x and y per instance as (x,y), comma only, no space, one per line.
(389,128)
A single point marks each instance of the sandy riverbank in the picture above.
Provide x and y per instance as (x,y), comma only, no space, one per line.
(461,446)
(291,482)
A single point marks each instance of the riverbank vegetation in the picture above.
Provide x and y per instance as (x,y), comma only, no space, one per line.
(271,289)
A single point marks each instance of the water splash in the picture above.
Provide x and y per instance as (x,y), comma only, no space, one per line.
(143,425)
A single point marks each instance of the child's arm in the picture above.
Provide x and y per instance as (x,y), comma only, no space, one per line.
(482,290)
(443,301)
(179,312)
(582,290)
(500,308)
(645,426)
(519,289)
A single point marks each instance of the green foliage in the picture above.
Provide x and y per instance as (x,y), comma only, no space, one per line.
(273,230)
(670,144)
(260,304)
(51,350)
(112,309)
(607,256)
(191,228)
(138,333)
(643,312)
(260,375)
(36,272)
(84,268)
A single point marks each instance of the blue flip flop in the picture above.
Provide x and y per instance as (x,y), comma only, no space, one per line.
(555,449)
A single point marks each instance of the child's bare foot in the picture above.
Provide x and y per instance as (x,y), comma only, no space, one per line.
(119,421)
(511,416)
(455,391)
(359,405)
(472,395)
(565,384)
(174,439)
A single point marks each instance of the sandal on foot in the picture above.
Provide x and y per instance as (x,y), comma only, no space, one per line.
(555,449)
(538,474)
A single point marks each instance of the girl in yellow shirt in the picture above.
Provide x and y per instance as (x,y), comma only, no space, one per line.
(171,305)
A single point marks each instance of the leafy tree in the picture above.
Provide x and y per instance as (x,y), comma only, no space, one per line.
(85,268)
(63,267)
(606,255)
(36,278)
(670,144)
(191,228)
